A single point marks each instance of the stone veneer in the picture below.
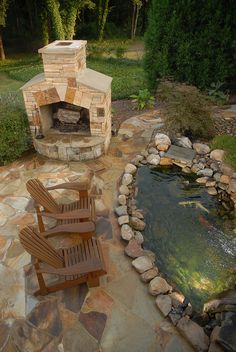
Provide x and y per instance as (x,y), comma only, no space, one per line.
(66,79)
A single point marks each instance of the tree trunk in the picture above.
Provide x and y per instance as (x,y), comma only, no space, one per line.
(53,9)
(133,21)
(2,53)
(104,20)
(136,20)
(69,25)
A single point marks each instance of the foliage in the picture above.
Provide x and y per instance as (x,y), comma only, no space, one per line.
(188,111)
(103,11)
(191,41)
(143,99)
(3,12)
(228,144)
(217,94)
(14,130)
(120,51)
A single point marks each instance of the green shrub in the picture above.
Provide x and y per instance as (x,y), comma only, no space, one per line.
(143,99)
(217,94)
(228,144)
(188,111)
(120,51)
(15,137)
(192,41)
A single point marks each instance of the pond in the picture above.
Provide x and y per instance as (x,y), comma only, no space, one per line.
(193,238)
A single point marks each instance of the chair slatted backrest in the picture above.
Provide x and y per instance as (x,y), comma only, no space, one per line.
(42,196)
(36,245)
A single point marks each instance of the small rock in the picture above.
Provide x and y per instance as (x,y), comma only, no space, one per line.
(127,179)
(139,237)
(215,333)
(163,302)
(175,317)
(214,166)
(130,169)
(137,159)
(222,186)
(232,185)
(126,232)
(225,179)
(186,170)
(194,333)
(163,147)
(134,249)
(153,151)
(149,274)
(137,224)
(121,210)
(212,191)
(137,214)
(144,162)
(205,172)
(144,153)
(162,154)
(210,183)
(176,298)
(142,264)
(217,154)
(201,148)
(166,161)
(124,219)
(183,142)
(124,190)
(150,255)
(161,138)
(153,159)
(195,168)
(122,199)
(227,170)
(217,176)
(202,180)
(159,285)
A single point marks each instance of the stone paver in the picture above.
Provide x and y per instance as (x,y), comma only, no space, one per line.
(119,315)
(181,154)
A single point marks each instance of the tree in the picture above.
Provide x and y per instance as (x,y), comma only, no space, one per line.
(3,14)
(191,40)
(103,11)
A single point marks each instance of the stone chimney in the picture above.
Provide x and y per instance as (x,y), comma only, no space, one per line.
(63,60)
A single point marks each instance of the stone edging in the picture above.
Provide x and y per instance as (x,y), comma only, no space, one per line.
(206,164)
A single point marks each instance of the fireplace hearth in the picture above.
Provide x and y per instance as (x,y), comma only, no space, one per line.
(72,104)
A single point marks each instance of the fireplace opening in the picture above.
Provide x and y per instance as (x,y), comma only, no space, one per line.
(69,118)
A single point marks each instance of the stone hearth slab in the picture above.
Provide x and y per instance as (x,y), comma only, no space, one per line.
(181,154)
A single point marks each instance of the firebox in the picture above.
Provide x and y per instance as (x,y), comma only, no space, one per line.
(69,105)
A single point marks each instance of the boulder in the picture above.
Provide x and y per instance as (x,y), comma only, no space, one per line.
(202,180)
(153,159)
(166,161)
(139,237)
(183,142)
(124,190)
(134,249)
(124,219)
(227,334)
(194,333)
(232,185)
(212,191)
(121,210)
(224,179)
(127,179)
(161,138)
(126,232)
(217,154)
(130,169)
(142,264)
(163,302)
(149,274)
(159,285)
(163,147)
(205,172)
(137,224)
(122,199)
(201,148)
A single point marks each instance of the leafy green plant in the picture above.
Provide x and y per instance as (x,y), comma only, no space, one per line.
(188,111)
(15,136)
(143,99)
(216,93)
(120,51)
(228,144)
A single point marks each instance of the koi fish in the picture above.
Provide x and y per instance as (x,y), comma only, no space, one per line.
(196,203)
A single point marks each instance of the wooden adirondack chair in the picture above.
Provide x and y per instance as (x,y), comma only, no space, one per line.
(81,263)
(68,216)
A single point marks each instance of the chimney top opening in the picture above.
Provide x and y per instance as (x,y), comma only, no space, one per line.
(63,43)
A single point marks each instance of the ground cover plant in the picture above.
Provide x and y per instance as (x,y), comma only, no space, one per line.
(228,143)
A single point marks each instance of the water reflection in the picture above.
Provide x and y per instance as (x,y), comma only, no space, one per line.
(195,247)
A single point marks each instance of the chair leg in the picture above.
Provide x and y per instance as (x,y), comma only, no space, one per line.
(40,220)
(93,281)
(42,287)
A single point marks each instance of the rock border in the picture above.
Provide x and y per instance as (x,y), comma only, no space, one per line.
(220,181)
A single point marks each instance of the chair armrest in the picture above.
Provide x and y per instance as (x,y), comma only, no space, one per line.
(81,227)
(81,268)
(75,214)
(75,186)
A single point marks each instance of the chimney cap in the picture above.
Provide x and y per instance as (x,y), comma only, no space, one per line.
(63,47)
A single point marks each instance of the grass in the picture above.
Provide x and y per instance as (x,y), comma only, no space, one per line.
(228,144)
(128,75)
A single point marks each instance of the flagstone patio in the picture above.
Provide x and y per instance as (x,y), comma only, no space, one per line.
(118,316)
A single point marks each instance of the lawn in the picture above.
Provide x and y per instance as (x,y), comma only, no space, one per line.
(128,75)
(228,143)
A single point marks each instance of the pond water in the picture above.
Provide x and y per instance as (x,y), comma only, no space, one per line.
(195,243)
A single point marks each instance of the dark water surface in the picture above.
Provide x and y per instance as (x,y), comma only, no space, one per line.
(195,246)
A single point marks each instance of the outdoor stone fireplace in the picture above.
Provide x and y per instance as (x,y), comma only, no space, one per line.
(69,105)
